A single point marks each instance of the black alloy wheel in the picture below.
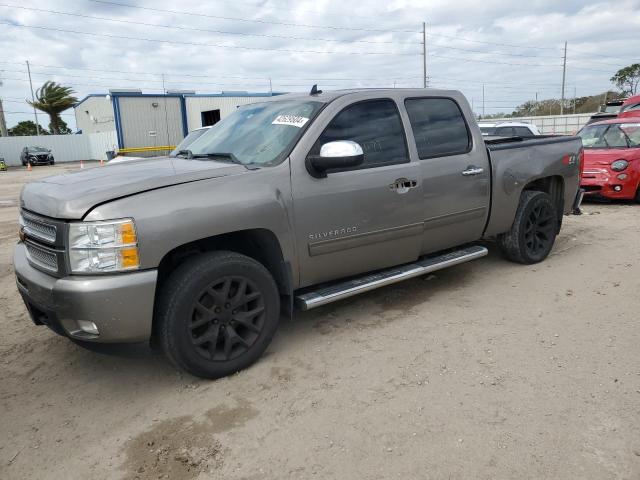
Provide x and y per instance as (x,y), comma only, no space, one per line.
(540,228)
(227,318)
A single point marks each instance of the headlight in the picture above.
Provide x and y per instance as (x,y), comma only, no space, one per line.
(110,246)
(619,165)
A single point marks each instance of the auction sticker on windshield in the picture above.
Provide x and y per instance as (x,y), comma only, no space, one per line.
(293,120)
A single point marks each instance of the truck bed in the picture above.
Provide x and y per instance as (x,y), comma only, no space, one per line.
(518,161)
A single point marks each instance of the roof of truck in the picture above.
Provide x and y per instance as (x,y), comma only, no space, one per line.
(327,96)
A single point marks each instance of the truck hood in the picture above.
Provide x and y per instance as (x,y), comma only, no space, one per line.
(72,195)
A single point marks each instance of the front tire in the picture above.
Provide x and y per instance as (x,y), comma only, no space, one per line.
(534,229)
(217,314)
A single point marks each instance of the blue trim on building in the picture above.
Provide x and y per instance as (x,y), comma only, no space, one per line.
(183,109)
(116,116)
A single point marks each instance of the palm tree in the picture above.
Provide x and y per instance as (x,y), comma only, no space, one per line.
(54,99)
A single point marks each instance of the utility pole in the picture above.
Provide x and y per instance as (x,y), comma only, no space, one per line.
(483,100)
(33,99)
(564,76)
(574,99)
(424,54)
(270,87)
(3,124)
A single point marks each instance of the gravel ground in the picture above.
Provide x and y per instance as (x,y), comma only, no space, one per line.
(487,370)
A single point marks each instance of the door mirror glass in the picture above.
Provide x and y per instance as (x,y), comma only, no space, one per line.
(335,155)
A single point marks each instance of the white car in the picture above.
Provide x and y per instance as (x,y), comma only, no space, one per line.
(186,141)
(509,129)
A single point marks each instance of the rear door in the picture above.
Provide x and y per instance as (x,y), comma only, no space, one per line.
(455,172)
(360,219)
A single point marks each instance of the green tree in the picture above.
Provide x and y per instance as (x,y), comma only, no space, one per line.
(64,128)
(25,128)
(627,79)
(53,99)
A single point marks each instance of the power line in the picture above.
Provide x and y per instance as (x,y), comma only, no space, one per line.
(200,44)
(239,19)
(180,27)
(492,43)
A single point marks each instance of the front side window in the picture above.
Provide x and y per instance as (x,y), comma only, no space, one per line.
(376,126)
(612,135)
(438,127)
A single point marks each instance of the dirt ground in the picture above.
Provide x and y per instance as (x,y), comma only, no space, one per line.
(488,370)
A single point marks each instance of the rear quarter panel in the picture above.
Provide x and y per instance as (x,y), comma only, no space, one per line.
(515,165)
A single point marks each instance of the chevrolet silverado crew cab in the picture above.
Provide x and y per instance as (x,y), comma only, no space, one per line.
(298,201)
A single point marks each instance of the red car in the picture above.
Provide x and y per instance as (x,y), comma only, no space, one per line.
(612,158)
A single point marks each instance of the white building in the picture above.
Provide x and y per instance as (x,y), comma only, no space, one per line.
(156,120)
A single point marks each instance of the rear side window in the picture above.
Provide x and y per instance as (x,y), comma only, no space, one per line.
(376,126)
(438,127)
(505,132)
(523,132)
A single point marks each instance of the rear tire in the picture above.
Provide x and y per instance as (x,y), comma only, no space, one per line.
(217,314)
(534,229)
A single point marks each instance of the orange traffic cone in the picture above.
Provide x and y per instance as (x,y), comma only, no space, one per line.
(101,162)
(29,168)
(81,164)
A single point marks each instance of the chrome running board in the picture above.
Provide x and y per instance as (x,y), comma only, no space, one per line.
(314,298)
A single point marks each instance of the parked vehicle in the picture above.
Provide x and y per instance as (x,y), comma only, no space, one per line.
(300,200)
(612,159)
(630,107)
(36,156)
(607,111)
(509,129)
(184,144)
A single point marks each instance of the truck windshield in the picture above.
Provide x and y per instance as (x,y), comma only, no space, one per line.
(257,134)
(188,140)
(612,135)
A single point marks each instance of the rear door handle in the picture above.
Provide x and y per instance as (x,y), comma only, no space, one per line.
(403,185)
(472,170)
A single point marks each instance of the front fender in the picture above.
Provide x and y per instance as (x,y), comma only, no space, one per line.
(169,217)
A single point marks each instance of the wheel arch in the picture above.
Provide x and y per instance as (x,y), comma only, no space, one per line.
(260,244)
(553,186)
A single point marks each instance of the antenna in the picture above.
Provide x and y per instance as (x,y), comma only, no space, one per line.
(314,90)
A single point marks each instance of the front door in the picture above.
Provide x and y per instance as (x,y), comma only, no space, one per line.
(362,219)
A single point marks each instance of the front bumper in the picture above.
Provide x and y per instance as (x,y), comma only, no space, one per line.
(603,183)
(120,306)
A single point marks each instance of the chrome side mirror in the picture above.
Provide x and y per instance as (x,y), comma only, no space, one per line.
(335,155)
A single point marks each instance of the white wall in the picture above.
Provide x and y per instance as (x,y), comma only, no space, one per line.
(550,124)
(65,148)
(95,114)
(226,105)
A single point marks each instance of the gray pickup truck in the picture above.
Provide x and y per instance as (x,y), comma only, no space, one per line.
(295,202)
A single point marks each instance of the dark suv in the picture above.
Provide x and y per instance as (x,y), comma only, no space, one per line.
(36,156)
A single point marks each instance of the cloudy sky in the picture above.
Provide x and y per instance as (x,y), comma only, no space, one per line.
(514,49)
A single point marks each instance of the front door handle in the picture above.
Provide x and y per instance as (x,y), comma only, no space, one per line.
(472,170)
(403,185)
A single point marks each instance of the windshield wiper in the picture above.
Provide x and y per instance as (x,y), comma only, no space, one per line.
(223,155)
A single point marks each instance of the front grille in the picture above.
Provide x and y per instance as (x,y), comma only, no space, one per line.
(42,257)
(39,229)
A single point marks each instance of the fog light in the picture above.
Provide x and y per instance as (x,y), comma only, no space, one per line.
(617,188)
(622,176)
(88,327)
